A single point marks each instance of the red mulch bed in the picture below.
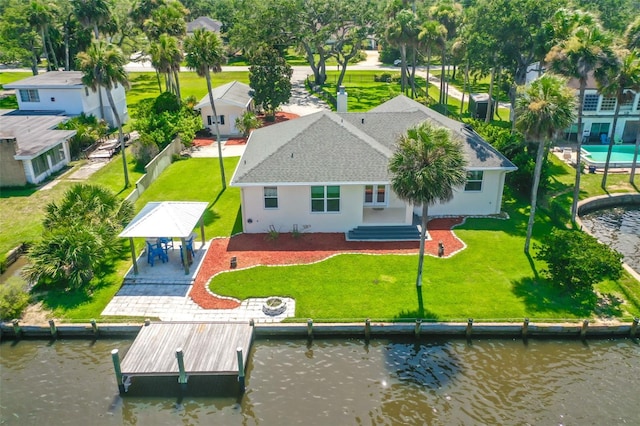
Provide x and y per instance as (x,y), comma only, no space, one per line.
(257,249)
(280,117)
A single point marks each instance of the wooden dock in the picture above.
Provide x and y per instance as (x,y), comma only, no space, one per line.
(208,349)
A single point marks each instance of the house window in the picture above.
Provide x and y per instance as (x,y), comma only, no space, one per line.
(628,101)
(270,197)
(210,121)
(375,195)
(608,104)
(590,102)
(474,180)
(325,199)
(598,132)
(29,95)
(40,164)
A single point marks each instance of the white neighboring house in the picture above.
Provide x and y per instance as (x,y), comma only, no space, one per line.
(328,172)
(232,100)
(63,91)
(598,111)
(30,147)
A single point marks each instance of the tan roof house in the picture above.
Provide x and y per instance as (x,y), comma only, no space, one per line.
(232,100)
(31,149)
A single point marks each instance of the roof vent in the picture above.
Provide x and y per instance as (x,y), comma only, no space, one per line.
(362,120)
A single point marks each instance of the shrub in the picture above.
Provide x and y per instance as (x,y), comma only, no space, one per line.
(80,235)
(13,298)
(144,149)
(576,260)
(385,77)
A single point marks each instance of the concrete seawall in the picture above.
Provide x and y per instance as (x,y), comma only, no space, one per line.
(525,329)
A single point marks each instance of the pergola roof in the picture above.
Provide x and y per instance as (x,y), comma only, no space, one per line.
(166,219)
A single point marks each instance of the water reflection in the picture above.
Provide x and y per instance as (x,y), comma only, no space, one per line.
(343,382)
(619,228)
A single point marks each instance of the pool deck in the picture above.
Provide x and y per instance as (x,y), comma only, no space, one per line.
(563,154)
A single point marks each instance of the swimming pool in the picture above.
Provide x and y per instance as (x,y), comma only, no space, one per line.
(596,155)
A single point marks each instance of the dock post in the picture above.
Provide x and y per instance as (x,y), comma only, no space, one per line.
(182,374)
(634,327)
(94,327)
(367,330)
(16,328)
(469,328)
(115,357)
(525,328)
(583,330)
(240,369)
(310,329)
(416,331)
(52,327)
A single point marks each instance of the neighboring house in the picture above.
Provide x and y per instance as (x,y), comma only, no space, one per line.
(597,117)
(328,172)
(232,100)
(30,147)
(206,23)
(598,111)
(63,91)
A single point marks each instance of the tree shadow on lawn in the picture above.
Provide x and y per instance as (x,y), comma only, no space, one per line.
(543,298)
(420,312)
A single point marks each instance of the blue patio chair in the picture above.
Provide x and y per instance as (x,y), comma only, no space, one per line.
(189,247)
(155,250)
(166,243)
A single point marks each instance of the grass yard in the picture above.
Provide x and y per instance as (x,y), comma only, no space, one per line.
(365,93)
(145,84)
(185,180)
(490,280)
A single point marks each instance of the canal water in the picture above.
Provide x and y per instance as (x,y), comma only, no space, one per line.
(342,382)
(619,228)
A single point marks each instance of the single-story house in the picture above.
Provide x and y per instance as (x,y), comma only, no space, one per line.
(328,172)
(232,100)
(64,91)
(206,23)
(31,149)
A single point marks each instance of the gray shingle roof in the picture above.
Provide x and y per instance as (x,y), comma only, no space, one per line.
(34,134)
(232,93)
(347,147)
(51,79)
(204,22)
(315,148)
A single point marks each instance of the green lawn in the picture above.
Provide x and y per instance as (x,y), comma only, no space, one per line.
(195,179)
(145,84)
(491,279)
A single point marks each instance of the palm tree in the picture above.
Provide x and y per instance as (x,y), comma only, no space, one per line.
(247,122)
(204,54)
(166,56)
(426,166)
(432,33)
(40,16)
(102,66)
(620,81)
(92,13)
(402,32)
(632,35)
(543,108)
(588,48)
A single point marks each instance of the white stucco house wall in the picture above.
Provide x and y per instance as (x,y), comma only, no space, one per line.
(598,112)
(63,92)
(31,149)
(232,100)
(328,172)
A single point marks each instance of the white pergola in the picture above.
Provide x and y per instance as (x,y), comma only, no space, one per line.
(175,219)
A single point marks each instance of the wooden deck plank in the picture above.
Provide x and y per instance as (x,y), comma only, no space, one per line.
(209,348)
